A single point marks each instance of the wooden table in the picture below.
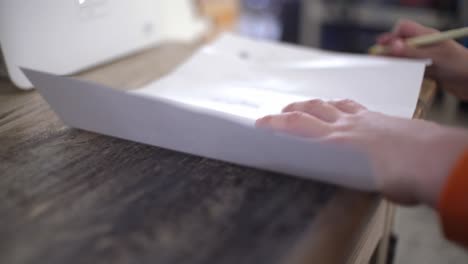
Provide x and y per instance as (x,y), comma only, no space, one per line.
(69,196)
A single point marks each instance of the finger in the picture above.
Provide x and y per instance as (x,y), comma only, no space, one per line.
(386,38)
(317,108)
(406,28)
(295,123)
(399,48)
(395,40)
(348,106)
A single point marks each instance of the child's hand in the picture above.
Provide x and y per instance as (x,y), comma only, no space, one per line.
(450,59)
(410,158)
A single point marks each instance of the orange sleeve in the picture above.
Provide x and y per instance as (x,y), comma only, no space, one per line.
(453,203)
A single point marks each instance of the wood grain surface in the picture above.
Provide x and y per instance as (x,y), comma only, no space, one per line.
(69,196)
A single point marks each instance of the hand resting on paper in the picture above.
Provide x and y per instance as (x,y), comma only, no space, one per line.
(450,59)
(414,161)
(410,158)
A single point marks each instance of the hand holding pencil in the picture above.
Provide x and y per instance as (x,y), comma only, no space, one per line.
(450,59)
(424,40)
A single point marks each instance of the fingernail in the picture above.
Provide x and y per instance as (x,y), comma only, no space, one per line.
(398,46)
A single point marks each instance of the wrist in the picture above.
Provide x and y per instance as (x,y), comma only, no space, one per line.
(449,144)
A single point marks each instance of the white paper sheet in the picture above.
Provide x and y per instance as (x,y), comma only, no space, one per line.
(207,107)
(251,79)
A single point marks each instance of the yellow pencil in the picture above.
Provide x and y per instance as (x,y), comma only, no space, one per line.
(425,40)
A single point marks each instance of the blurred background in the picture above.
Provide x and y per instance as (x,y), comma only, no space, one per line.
(341,25)
(352,26)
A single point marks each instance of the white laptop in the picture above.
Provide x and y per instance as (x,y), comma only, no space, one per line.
(67,36)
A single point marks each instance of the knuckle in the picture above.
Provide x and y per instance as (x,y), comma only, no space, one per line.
(314,102)
(294,117)
(342,103)
(348,102)
(290,107)
(350,105)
